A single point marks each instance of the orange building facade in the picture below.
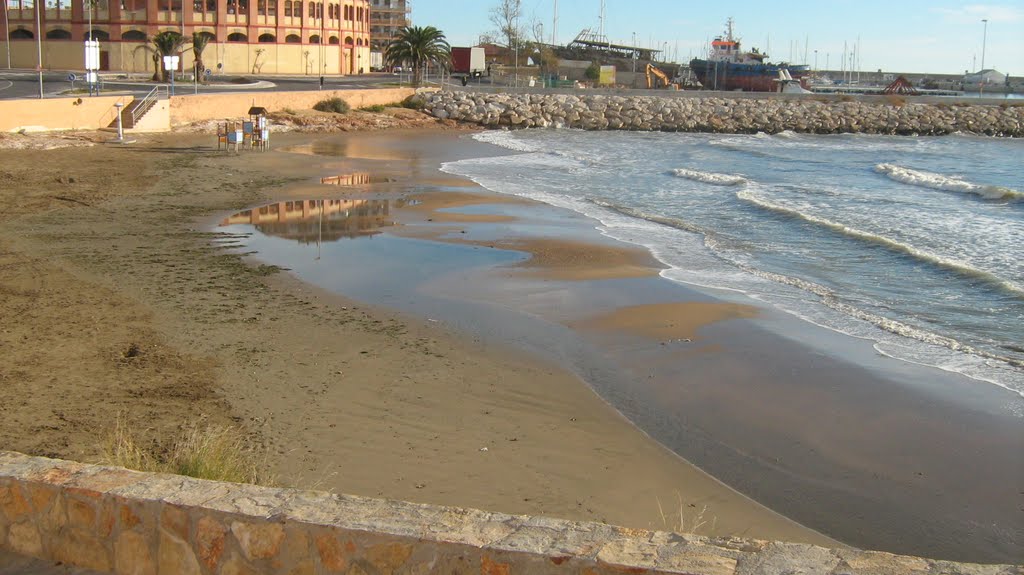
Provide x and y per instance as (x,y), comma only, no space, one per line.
(314,37)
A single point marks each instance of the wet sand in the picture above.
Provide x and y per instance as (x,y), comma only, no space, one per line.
(111,249)
(878,452)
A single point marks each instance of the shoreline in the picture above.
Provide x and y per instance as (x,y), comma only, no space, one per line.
(913,384)
(398,348)
(343,395)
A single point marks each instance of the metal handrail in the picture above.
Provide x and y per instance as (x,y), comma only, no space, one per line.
(147,102)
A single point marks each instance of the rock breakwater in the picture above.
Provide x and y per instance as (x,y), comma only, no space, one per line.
(892,115)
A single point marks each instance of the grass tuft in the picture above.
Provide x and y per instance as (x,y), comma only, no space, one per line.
(203,451)
(123,450)
(376,108)
(684,522)
(212,452)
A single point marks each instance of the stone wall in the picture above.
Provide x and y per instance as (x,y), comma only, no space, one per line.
(809,114)
(127,522)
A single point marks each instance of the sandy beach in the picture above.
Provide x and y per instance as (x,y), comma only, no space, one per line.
(431,341)
(110,248)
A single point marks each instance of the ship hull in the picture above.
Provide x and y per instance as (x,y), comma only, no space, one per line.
(746,77)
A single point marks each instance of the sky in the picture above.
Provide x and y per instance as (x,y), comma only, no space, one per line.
(938,36)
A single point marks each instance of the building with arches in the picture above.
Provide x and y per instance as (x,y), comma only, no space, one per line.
(314,37)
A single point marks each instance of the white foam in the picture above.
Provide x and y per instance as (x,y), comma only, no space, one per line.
(505,139)
(710,177)
(947,183)
(946,263)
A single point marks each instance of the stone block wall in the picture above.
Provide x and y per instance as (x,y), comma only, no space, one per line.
(119,521)
(734,115)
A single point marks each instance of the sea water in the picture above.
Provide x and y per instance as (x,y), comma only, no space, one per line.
(916,244)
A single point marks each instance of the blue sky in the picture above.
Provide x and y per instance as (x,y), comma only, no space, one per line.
(895,35)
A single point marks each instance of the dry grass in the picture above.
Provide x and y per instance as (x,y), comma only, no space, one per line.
(204,451)
(686,521)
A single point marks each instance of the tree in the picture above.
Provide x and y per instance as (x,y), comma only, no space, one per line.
(199,42)
(168,43)
(417,46)
(147,48)
(505,16)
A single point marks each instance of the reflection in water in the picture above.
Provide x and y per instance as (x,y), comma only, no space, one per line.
(315,221)
(355,179)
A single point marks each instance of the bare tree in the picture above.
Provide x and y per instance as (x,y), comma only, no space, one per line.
(505,16)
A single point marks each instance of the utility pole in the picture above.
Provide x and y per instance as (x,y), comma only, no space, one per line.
(554,26)
(7,36)
(516,36)
(39,48)
(984,37)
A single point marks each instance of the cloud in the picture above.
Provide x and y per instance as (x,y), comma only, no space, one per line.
(976,12)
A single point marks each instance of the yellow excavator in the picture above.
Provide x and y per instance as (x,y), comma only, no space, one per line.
(653,72)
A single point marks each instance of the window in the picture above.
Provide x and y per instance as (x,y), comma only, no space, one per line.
(237,37)
(293,39)
(133,36)
(58,34)
(314,39)
(261,7)
(267,38)
(21,35)
(287,7)
(312,10)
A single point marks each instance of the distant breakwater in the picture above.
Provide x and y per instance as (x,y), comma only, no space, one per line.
(882,115)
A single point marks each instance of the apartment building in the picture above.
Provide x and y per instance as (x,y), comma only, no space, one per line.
(312,37)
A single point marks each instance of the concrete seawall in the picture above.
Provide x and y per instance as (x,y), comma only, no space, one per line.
(721,114)
(118,521)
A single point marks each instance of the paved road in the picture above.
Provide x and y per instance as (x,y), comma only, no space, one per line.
(25,84)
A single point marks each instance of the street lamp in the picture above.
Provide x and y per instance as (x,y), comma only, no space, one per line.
(39,47)
(7,36)
(984,37)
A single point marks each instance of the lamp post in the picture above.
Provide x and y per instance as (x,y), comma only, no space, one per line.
(7,36)
(516,37)
(984,37)
(39,47)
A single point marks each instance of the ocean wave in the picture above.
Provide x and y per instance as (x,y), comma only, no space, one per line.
(901,329)
(894,245)
(663,220)
(947,183)
(710,178)
(505,139)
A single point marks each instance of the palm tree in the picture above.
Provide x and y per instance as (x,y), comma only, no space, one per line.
(151,51)
(418,46)
(168,43)
(199,42)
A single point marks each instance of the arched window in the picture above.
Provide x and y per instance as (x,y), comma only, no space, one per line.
(314,39)
(332,40)
(101,35)
(293,39)
(348,40)
(133,36)
(58,34)
(210,36)
(237,37)
(312,9)
(267,38)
